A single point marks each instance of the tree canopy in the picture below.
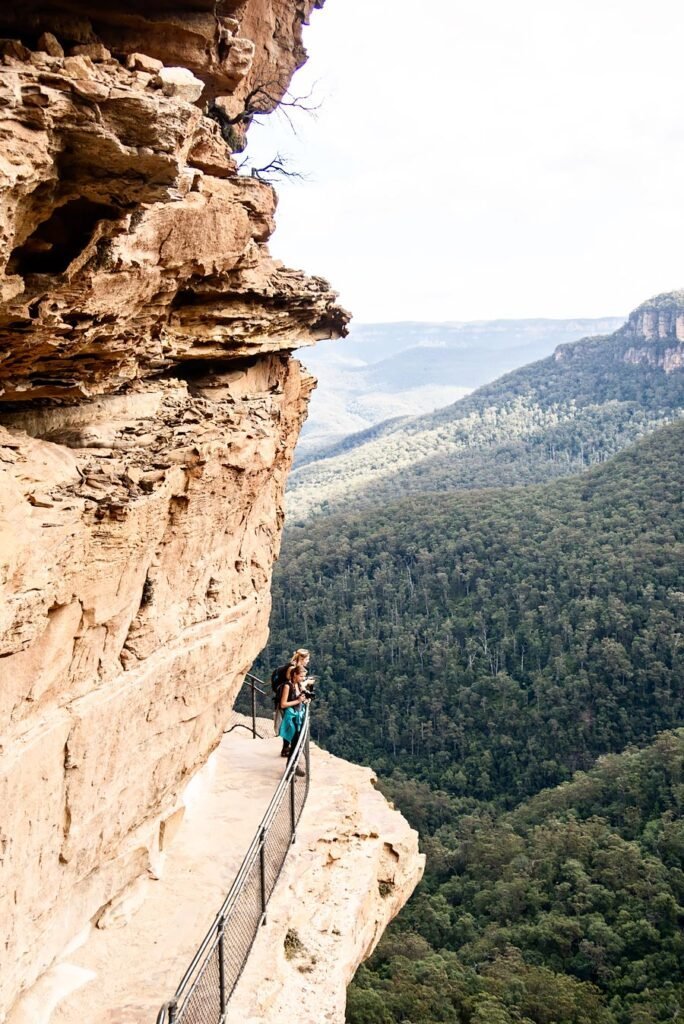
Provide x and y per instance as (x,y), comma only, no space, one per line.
(481,650)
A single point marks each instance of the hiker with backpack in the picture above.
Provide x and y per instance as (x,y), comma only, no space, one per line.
(292,702)
(285,699)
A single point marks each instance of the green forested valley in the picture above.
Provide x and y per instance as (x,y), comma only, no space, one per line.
(555,417)
(567,910)
(493,642)
(481,649)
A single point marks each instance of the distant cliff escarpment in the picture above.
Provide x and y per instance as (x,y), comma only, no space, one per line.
(149,410)
(653,335)
(411,368)
(558,416)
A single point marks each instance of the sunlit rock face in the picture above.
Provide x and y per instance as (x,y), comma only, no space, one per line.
(653,335)
(657,328)
(127,242)
(353,867)
(149,409)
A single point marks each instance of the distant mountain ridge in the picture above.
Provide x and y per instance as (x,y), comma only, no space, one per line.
(409,368)
(574,409)
(373,342)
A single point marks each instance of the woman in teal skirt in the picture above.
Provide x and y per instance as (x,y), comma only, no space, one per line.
(292,702)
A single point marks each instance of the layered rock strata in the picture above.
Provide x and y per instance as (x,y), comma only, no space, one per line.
(148,413)
(127,242)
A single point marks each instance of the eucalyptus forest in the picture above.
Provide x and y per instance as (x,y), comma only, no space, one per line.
(509,660)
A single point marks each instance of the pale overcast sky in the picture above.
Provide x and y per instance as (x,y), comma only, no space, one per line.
(475,159)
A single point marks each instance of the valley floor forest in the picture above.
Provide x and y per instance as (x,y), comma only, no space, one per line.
(509,661)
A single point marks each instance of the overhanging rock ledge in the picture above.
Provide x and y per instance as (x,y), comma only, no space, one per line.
(149,408)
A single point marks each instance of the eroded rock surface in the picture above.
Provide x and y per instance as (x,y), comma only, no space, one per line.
(353,867)
(355,862)
(232,46)
(127,242)
(136,557)
(149,409)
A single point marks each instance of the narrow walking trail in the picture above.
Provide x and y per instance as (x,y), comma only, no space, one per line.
(125,973)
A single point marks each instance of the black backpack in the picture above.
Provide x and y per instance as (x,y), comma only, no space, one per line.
(278,679)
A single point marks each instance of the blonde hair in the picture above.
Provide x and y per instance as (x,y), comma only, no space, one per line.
(299,655)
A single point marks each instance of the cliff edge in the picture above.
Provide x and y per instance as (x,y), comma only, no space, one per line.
(149,409)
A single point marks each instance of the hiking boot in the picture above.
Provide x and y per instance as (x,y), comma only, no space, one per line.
(300,772)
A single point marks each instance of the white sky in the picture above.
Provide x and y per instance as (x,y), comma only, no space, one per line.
(488,158)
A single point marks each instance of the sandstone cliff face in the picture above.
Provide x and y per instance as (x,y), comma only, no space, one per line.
(653,335)
(657,328)
(148,414)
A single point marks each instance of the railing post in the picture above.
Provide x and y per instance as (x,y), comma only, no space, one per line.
(293,809)
(222,966)
(262,872)
(254,732)
(307,759)
(218,936)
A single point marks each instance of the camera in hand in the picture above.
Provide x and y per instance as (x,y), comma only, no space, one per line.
(309,691)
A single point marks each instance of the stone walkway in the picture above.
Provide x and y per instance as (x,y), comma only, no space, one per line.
(124,974)
(354,865)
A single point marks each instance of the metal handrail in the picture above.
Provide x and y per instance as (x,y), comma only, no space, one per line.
(172,1011)
(255,679)
(254,689)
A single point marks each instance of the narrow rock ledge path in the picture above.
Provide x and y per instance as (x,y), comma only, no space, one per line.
(350,840)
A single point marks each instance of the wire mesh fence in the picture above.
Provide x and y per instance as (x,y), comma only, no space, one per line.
(207,985)
(203,1001)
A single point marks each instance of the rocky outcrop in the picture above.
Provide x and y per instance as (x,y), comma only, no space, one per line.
(653,335)
(232,46)
(353,867)
(149,409)
(660,318)
(127,241)
(669,359)
(657,329)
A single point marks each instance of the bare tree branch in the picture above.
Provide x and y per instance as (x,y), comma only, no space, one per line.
(274,170)
(263,99)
